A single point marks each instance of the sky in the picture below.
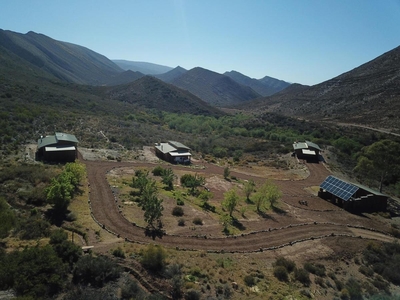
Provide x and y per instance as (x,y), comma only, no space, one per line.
(299,41)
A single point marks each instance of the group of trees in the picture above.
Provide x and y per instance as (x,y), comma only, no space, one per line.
(148,199)
(64,186)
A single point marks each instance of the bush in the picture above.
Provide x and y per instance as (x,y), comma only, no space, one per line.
(192,295)
(197,221)
(177,211)
(249,280)
(316,269)
(289,265)
(118,252)
(302,276)
(281,273)
(158,171)
(181,222)
(95,271)
(153,257)
(180,202)
(131,290)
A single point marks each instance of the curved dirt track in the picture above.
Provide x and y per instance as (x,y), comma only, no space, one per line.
(105,211)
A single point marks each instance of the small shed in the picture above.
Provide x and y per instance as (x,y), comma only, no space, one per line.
(59,147)
(351,196)
(173,152)
(306,150)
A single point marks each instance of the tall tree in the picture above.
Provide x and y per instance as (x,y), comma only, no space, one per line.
(151,205)
(231,200)
(268,192)
(380,162)
(168,178)
(249,188)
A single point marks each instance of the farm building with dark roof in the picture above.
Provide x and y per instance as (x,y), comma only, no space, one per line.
(306,150)
(58,147)
(351,196)
(173,152)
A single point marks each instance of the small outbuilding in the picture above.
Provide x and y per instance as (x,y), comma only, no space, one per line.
(307,150)
(61,147)
(352,197)
(173,152)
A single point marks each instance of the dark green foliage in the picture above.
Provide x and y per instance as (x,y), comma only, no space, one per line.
(177,211)
(7,217)
(281,273)
(181,222)
(197,221)
(354,289)
(36,272)
(118,253)
(192,182)
(168,178)
(86,292)
(227,172)
(316,269)
(153,257)
(33,227)
(302,276)
(288,264)
(95,271)
(131,290)
(66,250)
(192,295)
(249,280)
(158,171)
(385,260)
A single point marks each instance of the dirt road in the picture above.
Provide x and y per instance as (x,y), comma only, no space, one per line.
(319,220)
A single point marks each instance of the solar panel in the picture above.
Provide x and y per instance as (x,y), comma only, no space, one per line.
(339,188)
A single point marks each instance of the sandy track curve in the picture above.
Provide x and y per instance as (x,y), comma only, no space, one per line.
(105,211)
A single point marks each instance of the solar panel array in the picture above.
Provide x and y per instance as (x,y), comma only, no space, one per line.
(339,188)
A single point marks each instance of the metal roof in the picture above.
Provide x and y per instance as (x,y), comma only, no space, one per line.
(339,188)
(66,137)
(313,145)
(180,154)
(308,152)
(178,145)
(297,146)
(53,139)
(165,147)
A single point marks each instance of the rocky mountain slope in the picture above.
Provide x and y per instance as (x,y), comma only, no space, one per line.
(214,88)
(61,60)
(142,67)
(265,86)
(367,95)
(152,93)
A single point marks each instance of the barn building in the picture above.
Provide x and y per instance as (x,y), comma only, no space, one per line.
(352,197)
(61,147)
(173,152)
(307,150)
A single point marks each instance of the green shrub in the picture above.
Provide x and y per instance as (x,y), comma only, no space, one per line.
(158,171)
(316,269)
(197,221)
(95,271)
(288,264)
(153,257)
(303,276)
(281,273)
(131,290)
(180,202)
(177,211)
(181,222)
(249,280)
(192,295)
(118,252)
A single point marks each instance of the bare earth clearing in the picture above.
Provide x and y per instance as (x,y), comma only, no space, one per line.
(290,224)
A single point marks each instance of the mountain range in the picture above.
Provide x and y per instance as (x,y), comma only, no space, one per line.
(367,95)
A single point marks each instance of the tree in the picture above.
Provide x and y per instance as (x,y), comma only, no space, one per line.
(60,192)
(151,205)
(140,181)
(168,178)
(380,161)
(227,172)
(268,192)
(192,182)
(77,170)
(249,188)
(231,200)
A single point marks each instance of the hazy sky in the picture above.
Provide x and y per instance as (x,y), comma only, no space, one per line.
(304,41)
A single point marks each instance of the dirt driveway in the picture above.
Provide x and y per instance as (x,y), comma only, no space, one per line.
(299,223)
